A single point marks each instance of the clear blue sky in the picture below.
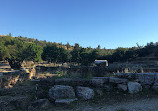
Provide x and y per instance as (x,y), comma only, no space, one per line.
(109,23)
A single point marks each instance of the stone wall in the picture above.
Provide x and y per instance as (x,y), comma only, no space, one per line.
(94,70)
(66,90)
(9,79)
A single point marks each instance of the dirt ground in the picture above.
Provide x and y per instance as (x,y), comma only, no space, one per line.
(149,104)
(143,101)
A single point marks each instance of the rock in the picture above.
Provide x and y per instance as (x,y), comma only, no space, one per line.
(134,87)
(126,75)
(99,81)
(108,87)
(88,109)
(73,82)
(147,87)
(146,78)
(8,103)
(105,79)
(43,82)
(156,79)
(5,104)
(81,82)
(39,104)
(117,80)
(99,92)
(84,93)
(63,81)
(64,101)
(1,74)
(155,88)
(61,92)
(122,87)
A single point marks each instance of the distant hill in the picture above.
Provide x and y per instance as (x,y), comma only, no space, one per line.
(40,42)
(3,35)
(112,55)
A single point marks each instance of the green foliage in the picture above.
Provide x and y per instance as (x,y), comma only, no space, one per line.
(33,52)
(50,53)
(18,49)
(88,56)
(128,54)
(76,54)
(3,52)
(63,55)
(119,53)
(15,50)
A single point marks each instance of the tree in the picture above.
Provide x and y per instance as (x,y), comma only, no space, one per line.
(3,52)
(119,54)
(63,55)
(20,51)
(88,56)
(33,52)
(16,53)
(76,54)
(99,47)
(10,34)
(50,53)
(67,45)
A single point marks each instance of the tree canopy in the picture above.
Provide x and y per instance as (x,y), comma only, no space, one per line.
(18,49)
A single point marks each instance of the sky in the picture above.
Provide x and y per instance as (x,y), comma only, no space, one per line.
(108,23)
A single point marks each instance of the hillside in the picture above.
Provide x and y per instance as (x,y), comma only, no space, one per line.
(16,47)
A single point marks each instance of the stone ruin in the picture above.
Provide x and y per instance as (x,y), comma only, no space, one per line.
(10,78)
(67,90)
(64,91)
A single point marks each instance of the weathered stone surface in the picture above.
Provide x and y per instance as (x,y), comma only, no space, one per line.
(146,78)
(155,85)
(108,87)
(156,79)
(61,92)
(122,87)
(65,101)
(105,79)
(88,109)
(84,93)
(8,103)
(126,75)
(63,81)
(81,82)
(73,82)
(99,92)
(146,87)
(39,104)
(155,88)
(97,82)
(117,80)
(43,82)
(134,87)
(1,74)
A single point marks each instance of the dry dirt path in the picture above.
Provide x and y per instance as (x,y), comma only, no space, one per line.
(139,105)
(148,104)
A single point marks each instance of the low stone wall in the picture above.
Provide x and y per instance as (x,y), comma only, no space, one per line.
(9,79)
(146,80)
(66,90)
(100,71)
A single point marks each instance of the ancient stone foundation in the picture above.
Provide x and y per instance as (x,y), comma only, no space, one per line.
(86,89)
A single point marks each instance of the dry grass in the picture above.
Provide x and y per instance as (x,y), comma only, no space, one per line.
(47,75)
